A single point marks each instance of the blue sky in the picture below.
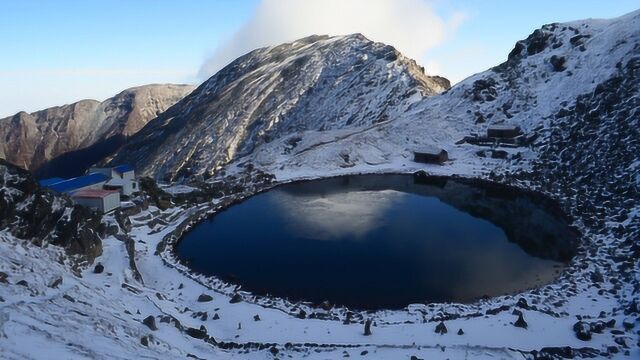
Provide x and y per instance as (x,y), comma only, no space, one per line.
(57,52)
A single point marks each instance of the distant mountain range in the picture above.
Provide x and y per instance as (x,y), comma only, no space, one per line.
(33,140)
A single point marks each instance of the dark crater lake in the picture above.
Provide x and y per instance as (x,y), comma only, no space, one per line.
(384,241)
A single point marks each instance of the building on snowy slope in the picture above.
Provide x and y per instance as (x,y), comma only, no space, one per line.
(103,201)
(69,186)
(430,155)
(503,131)
(122,178)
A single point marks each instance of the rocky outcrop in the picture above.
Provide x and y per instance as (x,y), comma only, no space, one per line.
(316,83)
(32,140)
(34,214)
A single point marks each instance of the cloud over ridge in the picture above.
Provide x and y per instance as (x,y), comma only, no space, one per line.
(411,26)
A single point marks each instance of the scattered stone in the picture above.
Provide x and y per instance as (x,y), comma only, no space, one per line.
(520,322)
(236,298)
(68,298)
(367,327)
(3,277)
(256,318)
(441,328)
(273,351)
(144,341)
(150,321)
(215,317)
(55,283)
(365,352)
(413,357)
(582,330)
(205,298)
(460,332)
(98,269)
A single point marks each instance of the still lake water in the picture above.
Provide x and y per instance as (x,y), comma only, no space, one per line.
(383,241)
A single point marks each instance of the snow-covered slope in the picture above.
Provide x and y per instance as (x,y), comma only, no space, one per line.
(30,140)
(317,83)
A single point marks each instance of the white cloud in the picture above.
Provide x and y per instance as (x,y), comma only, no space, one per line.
(412,26)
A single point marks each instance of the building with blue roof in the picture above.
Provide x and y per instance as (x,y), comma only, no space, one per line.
(121,178)
(90,181)
(50,181)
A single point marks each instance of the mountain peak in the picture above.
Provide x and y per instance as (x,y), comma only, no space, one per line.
(316,83)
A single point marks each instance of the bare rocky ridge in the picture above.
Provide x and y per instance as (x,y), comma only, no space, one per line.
(317,83)
(31,140)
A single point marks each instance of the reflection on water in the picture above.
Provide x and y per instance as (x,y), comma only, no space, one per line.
(344,215)
(394,240)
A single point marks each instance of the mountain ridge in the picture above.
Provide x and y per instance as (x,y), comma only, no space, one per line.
(33,139)
(315,83)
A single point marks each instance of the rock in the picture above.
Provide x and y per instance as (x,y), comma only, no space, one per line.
(256,318)
(23,283)
(413,357)
(582,330)
(628,323)
(363,353)
(68,298)
(460,332)
(144,341)
(205,298)
(98,269)
(215,317)
(441,328)
(520,322)
(197,333)
(326,306)
(273,351)
(302,314)
(522,303)
(236,298)
(150,321)
(55,283)
(367,327)
(3,277)
(558,63)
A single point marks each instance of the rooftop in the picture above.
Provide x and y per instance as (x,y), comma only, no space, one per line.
(78,182)
(50,181)
(123,168)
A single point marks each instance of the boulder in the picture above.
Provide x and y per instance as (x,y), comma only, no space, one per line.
(520,322)
(205,298)
(98,269)
(582,330)
(441,328)
(150,321)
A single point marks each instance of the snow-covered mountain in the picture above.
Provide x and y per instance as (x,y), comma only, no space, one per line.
(318,83)
(31,140)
